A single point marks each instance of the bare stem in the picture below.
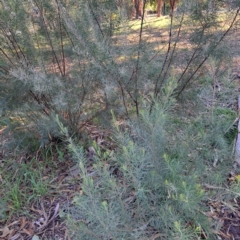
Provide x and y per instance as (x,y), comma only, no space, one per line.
(138,60)
(157,89)
(208,55)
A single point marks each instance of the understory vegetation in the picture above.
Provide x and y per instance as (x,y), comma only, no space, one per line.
(114,128)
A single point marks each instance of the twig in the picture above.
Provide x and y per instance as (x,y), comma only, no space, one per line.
(8,58)
(48,219)
(6,35)
(61,34)
(123,98)
(13,35)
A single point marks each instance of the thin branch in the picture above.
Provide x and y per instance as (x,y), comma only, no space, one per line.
(123,98)
(138,60)
(6,35)
(38,101)
(193,57)
(4,69)
(134,71)
(18,46)
(61,34)
(156,90)
(173,51)
(38,45)
(15,45)
(95,18)
(49,39)
(208,55)
(8,58)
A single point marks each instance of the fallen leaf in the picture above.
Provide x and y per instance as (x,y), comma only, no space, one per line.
(23,223)
(155,236)
(5,231)
(29,232)
(13,223)
(15,237)
(37,210)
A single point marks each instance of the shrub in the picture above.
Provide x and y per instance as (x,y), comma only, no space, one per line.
(151,187)
(75,59)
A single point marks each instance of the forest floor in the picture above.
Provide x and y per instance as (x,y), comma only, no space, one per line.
(36,186)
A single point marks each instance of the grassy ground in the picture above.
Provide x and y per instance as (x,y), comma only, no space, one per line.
(34,185)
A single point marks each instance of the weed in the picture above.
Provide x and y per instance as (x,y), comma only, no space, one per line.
(15,197)
(27,183)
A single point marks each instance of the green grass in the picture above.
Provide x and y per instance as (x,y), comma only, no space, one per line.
(153,22)
(150,22)
(23,182)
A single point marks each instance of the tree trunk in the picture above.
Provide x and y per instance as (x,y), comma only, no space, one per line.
(137,8)
(159,7)
(164,9)
(173,6)
(140,8)
(138,4)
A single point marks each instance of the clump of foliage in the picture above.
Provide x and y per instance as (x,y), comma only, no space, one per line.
(152,185)
(75,59)
(22,184)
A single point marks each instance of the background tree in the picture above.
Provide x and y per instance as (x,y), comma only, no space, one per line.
(172,4)
(159,7)
(138,4)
